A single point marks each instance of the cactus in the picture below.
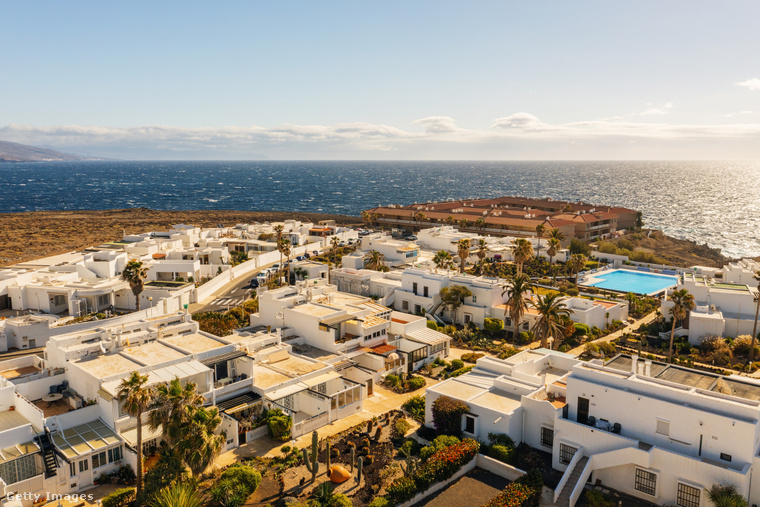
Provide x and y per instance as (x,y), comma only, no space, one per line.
(312,465)
(358,477)
(366,442)
(379,432)
(352,458)
(369,426)
(329,452)
(411,463)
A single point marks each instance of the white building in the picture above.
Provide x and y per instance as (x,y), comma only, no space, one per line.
(659,432)
(722,308)
(596,312)
(396,252)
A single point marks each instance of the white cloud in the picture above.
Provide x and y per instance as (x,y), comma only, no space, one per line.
(520,135)
(657,110)
(437,124)
(752,84)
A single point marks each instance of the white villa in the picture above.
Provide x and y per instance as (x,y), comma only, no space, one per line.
(659,432)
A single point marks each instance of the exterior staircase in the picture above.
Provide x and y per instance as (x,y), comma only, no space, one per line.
(567,490)
(48,454)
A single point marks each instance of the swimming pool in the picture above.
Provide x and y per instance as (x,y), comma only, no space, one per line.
(624,280)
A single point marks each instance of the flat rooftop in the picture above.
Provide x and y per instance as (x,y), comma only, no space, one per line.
(106,365)
(193,342)
(315,310)
(296,365)
(498,400)
(11,419)
(692,378)
(265,378)
(457,389)
(152,353)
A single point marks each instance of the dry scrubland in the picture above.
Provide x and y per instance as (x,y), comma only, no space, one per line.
(675,251)
(27,236)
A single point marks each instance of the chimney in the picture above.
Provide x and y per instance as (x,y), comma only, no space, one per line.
(634,363)
(648,367)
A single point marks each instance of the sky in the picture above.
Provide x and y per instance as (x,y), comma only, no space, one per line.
(397,80)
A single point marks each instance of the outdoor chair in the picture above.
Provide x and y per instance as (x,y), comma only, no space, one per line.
(53,389)
(591,420)
(616,428)
(63,386)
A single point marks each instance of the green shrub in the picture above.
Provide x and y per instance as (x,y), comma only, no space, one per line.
(246,476)
(120,498)
(416,407)
(432,325)
(279,425)
(501,439)
(493,325)
(411,447)
(415,383)
(460,371)
(235,485)
(457,364)
(591,348)
(440,442)
(380,501)
(339,500)
(401,426)
(595,498)
(401,490)
(608,348)
(392,381)
(573,292)
(502,453)
(471,357)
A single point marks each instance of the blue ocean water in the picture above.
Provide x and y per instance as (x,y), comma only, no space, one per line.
(713,202)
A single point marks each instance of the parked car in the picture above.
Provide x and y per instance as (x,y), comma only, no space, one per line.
(253,283)
(306,256)
(315,252)
(276,265)
(300,258)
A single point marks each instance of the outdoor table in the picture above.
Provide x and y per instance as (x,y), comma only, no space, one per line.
(52,398)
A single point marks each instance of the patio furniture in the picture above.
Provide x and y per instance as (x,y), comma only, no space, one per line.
(616,428)
(52,398)
(591,420)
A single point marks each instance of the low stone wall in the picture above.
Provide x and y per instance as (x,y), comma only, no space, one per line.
(497,467)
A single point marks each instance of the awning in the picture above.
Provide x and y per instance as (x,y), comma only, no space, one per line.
(239,403)
(105,395)
(131,435)
(17,451)
(428,336)
(223,358)
(338,319)
(285,391)
(325,377)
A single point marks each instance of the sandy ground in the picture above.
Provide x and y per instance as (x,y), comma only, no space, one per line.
(26,236)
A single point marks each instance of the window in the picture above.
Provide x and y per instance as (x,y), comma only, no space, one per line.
(104,300)
(59,300)
(469,424)
(507,321)
(417,309)
(72,469)
(99,460)
(474,299)
(114,454)
(414,288)
(405,305)
(725,457)
(425,291)
(566,453)
(467,318)
(526,325)
(19,469)
(646,482)
(547,437)
(663,427)
(84,465)
(687,496)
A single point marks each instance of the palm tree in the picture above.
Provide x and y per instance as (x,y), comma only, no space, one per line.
(450,220)
(278,230)
(577,263)
(366,218)
(557,234)
(554,247)
(683,302)
(443,260)
(177,495)
(517,289)
(522,250)
(284,247)
(171,408)
(199,444)
(726,495)
(463,250)
(639,221)
(135,274)
(136,398)
(420,217)
(480,223)
(632,299)
(551,310)
(464,223)
(482,250)
(374,260)
(540,231)
(754,326)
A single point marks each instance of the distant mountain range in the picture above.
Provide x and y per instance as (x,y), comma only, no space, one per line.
(15,152)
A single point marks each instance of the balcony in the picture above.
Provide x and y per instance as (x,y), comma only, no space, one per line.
(230,385)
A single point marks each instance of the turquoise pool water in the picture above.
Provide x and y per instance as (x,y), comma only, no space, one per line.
(638,282)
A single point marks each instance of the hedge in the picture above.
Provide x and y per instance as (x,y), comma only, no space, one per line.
(120,498)
(447,415)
